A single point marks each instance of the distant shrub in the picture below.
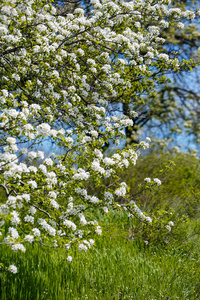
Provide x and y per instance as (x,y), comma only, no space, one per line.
(174,205)
(180,188)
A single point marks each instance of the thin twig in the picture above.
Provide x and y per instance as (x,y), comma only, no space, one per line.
(45,212)
(4,186)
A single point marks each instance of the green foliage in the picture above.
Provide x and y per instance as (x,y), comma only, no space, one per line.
(179,174)
(177,200)
(2,194)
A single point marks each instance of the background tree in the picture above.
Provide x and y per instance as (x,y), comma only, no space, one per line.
(172,108)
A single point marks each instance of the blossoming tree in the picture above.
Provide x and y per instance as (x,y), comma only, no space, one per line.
(172,108)
(60,75)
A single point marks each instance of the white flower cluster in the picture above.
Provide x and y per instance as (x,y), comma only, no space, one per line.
(69,224)
(81,175)
(170,225)
(139,213)
(43,223)
(13,269)
(156,180)
(121,192)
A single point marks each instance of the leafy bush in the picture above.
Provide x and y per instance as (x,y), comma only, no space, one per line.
(174,204)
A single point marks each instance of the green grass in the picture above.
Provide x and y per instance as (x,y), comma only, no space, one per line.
(116,268)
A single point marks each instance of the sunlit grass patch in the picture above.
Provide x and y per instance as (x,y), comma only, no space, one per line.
(116,268)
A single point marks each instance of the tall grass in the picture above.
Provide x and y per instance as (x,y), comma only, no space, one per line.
(114,269)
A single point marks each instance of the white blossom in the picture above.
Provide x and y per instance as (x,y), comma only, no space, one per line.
(36,232)
(82,247)
(171,223)
(29,238)
(13,269)
(157,181)
(147,179)
(168,228)
(69,224)
(20,247)
(69,258)
(29,219)
(98,230)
